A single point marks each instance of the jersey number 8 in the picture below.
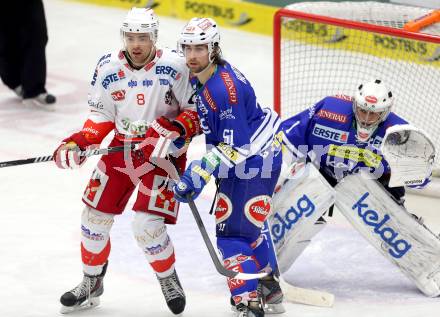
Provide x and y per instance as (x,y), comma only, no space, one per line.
(140,99)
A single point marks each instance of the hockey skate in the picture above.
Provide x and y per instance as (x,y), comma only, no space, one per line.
(173,292)
(271,294)
(85,295)
(253,309)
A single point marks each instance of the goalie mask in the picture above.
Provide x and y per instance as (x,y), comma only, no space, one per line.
(371,105)
(199,31)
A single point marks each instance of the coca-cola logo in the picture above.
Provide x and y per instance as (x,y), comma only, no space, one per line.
(258,209)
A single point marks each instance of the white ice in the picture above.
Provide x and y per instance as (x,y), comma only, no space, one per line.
(40,205)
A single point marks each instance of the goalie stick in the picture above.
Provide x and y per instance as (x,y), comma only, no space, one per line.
(306,296)
(48,158)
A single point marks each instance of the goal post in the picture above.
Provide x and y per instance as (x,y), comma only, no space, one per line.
(323,49)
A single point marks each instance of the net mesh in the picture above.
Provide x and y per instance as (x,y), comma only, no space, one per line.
(319,59)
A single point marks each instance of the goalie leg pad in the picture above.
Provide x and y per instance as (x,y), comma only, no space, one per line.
(297,205)
(392,230)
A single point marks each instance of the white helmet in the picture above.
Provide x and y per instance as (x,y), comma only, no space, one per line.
(373,96)
(141,20)
(200,31)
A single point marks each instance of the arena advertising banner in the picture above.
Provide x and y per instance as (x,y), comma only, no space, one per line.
(246,16)
(336,37)
(242,15)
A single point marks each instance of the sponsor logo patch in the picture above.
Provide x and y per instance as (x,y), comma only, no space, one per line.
(209,99)
(332,116)
(226,114)
(331,134)
(157,249)
(168,70)
(371,99)
(257,209)
(95,187)
(162,199)
(223,208)
(228,151)
(118,95)
(398,246)
(205,24)
(91,235)
(344,97)
(230,87)
(283,223)
(369,158)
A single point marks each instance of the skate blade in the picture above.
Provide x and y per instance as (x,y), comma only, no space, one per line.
(273,309)
(91,303)
(270,309)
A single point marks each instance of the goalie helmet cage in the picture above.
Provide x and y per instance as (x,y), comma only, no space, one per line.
(326,48)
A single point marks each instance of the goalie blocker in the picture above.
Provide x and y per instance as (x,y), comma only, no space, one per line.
(391,230)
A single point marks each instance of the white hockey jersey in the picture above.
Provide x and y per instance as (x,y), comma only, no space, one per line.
(128,100)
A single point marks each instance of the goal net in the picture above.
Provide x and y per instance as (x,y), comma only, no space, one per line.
(327,48)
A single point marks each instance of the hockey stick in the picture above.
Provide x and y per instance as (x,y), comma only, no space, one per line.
(218,265)
(169,165)
(306,296)
(49,158)
(292,293)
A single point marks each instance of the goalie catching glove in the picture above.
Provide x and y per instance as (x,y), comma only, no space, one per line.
(67,155)
(410,154)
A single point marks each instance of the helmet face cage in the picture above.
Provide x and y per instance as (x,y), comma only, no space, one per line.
(372,97)
(199,31)
(140,20)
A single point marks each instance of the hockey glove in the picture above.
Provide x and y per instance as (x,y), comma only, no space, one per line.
(159,137)
(170,137)
(67,154)
(196,176)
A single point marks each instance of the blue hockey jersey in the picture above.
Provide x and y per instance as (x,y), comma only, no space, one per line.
(326,135)
(238,131)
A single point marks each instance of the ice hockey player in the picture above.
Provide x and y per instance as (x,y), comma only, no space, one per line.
(142,93)
(243,153)
(342,137)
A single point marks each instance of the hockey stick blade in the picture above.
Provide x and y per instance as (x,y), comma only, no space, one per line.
(306,296)
(218,265)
